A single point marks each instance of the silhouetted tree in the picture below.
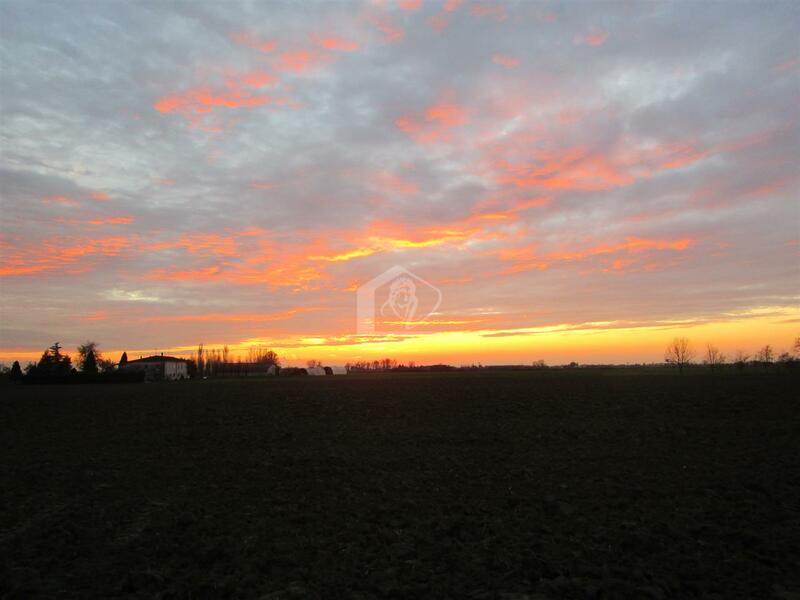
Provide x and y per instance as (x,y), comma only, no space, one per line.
(201,361)
(15,374)
(105,365)
(123,360)
(765,355)
(680,353)
(714,358)
(87,357)
(263,356)
(740,360)
(53,363)
(313,363)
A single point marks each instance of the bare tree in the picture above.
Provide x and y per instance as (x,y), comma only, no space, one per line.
(201,361)
(680,353)
(765,355)
(313,363)
(714,358)
(263,356)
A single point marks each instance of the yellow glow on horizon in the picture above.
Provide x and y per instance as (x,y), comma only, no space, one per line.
(593,342)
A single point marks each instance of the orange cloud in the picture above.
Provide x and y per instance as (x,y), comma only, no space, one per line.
(572,169)
(435,124)
(410,5)
(256,79)
(228,317)
(440,20)
(391,33)
(111,221)
(495,11)
(62,200)
(449,115)
(591,39)
(263,185)
(386,236)
(192,104)
(298,61)
(99,315)
(507,61)
(334,43)
(203,244)
(60,254)
(100,196)
(252,41)
(631,245)
(527,258)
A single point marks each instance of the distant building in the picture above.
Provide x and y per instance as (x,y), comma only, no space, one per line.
(336,370)
(158,367)
(316,371)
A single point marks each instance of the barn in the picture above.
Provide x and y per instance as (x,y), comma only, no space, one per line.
(316,371)
(157,368)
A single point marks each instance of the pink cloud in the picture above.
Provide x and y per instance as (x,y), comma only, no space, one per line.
(196,103)
(508,62)
(410,5)
(391,32)
(252,41)
(331,42)
(299,61)
(257,79)
(439,21)
(62,200)
(436,123)
(592,39)
(495,11)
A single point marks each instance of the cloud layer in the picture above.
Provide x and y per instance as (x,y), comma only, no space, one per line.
(177,173)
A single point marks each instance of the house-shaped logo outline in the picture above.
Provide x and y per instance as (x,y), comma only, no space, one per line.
(365,298)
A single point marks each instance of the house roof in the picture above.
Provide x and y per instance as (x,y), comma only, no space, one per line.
(157,359)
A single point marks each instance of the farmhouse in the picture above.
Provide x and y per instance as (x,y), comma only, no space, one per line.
(158,367)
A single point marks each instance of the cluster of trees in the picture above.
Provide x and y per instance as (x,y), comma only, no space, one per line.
(55,363)
(386,364)
(389,364)
(681,353)
(211,362)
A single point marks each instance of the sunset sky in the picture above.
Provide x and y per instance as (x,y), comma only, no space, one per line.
(581,181)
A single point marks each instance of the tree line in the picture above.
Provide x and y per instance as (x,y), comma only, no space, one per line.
(681,353)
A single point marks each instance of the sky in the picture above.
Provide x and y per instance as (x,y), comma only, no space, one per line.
(572,181)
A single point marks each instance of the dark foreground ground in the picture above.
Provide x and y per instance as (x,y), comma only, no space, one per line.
(519,485)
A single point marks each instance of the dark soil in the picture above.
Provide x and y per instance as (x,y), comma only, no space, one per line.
(553,484)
